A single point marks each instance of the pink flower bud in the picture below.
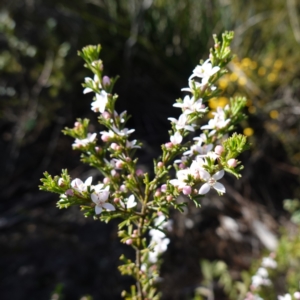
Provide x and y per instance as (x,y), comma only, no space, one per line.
(169,145)
(105,137)
(116,200)
(129,242)
(118,148)
(157,193)
(77,125)
(128,159)
(98,149)
(169,198)
(106,80)
(106,180)
(106,115)
(119,164)
(123,188)
(181,166)
(163,188)
(160,164)
(139,172)
(113,146)
(219,149)
(69,192)
(232,162)
(61,182)
(187,190)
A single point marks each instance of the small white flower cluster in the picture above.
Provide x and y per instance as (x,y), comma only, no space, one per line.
(101,101)
(190,105)
(261,277)
(84,142)
(200,150)
(99,194)
(289,296)
(159,242)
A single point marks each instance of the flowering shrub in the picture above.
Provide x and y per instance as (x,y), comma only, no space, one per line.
(139,201)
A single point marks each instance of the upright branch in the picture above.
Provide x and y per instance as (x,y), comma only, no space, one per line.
(140,203)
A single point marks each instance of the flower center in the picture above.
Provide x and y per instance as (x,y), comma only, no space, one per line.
(211,181)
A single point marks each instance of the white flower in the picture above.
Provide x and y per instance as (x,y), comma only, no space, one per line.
(181,123)
(205,71)
(79,186)
(107,134)
(285,297)
(122,132)
(197,167)
(189,105)
(160,247)
(176,138)
(218,121)
(198,148)
(257,281)
(121,116)
(128,203)
(100,103)
(182,175)
(84,142)
(132,144)
(100,199)
(96,84)
(269,262)
(211,182)
(262,272)
(191,86)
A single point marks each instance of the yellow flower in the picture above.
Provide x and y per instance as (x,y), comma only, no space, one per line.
(261,71)
(278,64)
(233,77)
(223,84)
(272,77)
(274,114)
(248,131)
(217,102)
(246,62)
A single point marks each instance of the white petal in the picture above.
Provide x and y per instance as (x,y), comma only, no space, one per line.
(76,183)
(91,137)
(175,182)
(97,188)
(219,187)
(204,189)
(204,174)
(172,120)
(103,195)
(178,104)
(89,181)
(108,207)
(219,175)
(95,198)
(190,128)
(98,210)
(87,90)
